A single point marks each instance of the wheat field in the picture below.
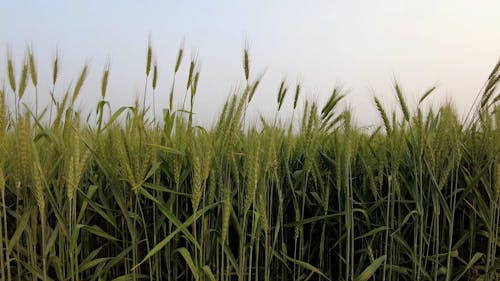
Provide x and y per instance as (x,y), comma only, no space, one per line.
(139,193)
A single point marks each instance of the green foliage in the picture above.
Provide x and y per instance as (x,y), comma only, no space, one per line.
(131,198)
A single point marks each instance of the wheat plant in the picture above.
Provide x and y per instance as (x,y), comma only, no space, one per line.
(141,195)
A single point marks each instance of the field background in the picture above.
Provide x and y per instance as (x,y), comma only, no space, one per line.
(143,192)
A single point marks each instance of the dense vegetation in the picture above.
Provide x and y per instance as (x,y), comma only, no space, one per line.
(134,196)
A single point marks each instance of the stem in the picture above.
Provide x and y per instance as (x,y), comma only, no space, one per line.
(44,263)
(18,211)
(154,107)
(36,102)
(2,265)
(145,91)
(7,256)
(146,234)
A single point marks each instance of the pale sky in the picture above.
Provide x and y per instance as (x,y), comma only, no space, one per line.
(360,45)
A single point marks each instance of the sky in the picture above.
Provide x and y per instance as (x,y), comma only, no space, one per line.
(361,46)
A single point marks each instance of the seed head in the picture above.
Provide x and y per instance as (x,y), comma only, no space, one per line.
(296,98)
(190,75)
(149,57)
(179,59)
(10,69)
(246,64)
(155,75)
(33,73)
(104,82)
(24,80)
(55,68)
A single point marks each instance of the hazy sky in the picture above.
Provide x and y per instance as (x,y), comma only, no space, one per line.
(360,45)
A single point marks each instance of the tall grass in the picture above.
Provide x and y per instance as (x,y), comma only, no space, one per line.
(133,197)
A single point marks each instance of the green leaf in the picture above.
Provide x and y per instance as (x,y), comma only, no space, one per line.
(23,222)
(92,263)
(99,210)
(180,228)
(35,271)
(167,149)
(371,269)
(118,259)
(115,115)
(314,219)
(372,232)
(97,231)
(51,242)
(208,272)
(90,194)
(307,266)
(469,265)
(130,276)
(189,260)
